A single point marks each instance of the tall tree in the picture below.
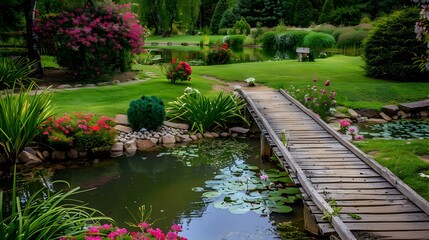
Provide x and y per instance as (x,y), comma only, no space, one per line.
(327,9)
(207,9)
(221,7)
(303,13)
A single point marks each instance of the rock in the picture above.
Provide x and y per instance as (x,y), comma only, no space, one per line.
(115,82)
(402,114)
(340,115)
(154,140)
(168,139)
(376,120)
(117,147)
(184,138)
(156,135)
(122,119)
(390,110)
(130,148)
(395,117)
(102,84)
(385,117)
(234,135)
(239,130)
(124,129)
(30,150)
(78,85)
(340,109)
(424,114)
(193,137)
(64,86)
(332,120)
(353,114)
(224,134)
(39,154)
(116,154)
(72,154)
(178,140)
(32,159)
(90,85)
(199,135)
(369,113)
(144,144)
(414,107)
(58,155)
(208,135)
(176,125)
(45,154)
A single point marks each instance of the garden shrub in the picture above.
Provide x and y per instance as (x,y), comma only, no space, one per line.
(325,28)
(241,27)
(85,132)
(229,18)
(177,71)
(257,32)
(340,31)
(391,46)
(290,39)
(249,40)
(224,31)
(203,113)
(235,41)
(219,54)
(318,40)
(269,40)
(351,38)
(147,112)
(93,40)
(220,9)
(15,71)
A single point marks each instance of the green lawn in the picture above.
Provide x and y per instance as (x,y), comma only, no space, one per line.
(402,157)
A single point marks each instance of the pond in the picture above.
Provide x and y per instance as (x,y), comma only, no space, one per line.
(401,129)
(188,185)
(253,54)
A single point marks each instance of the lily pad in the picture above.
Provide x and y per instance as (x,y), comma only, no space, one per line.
(290,190)
(238,210)
(284,180)
(222,204)
(198,189)
(282,209)
(211,194)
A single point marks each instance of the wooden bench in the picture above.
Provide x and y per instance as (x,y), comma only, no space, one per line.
(300,51)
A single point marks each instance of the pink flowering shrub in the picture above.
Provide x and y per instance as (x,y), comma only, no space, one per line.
(317,97)
(86,132)
(94,40)
(219,54)
(146,232)
(344,126)
(177,71)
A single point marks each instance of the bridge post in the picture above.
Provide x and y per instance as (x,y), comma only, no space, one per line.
(265,148)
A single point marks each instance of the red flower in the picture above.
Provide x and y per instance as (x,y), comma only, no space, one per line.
(95,128)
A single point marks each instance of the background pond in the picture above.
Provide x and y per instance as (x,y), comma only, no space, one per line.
(173,182)
(402,129)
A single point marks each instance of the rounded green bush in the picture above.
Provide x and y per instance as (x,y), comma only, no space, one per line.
(326,28)
(147,112)
(241,27)
(235,41)
(391,47)
(319,40)
(269,40)
(351,38)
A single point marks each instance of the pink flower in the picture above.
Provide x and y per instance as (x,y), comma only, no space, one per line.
(359,137)
(327,83)
(352,130)
(344,123)
(176,228)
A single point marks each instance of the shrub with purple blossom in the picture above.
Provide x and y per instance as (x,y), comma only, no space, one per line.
(97,39)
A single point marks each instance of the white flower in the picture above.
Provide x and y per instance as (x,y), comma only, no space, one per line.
(236,87)
(190,90)
(250,80)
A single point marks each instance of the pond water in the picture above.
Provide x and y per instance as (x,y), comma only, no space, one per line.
(401,129)
(173,182)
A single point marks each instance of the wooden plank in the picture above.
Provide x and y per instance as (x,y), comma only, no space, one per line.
(360,186)
(390,226)
(331,163)
(398,217)
(362,192)
(340,196)
(348,180)
(405,208)
(401,235)
(327,167)
(341,173)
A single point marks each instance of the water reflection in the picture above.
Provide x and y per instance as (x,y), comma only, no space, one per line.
(401,129)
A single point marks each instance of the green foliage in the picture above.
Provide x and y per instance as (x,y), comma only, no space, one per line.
(176,70)
(267,12)
(235,41)
(365,20)
(318,40)
(219,54)
(340,31)
(96,141)
(303,13)
(391,46)
(241,27)
(45,215)
(249,40)
(15,71)
(325,28)
(327,9)
(229,17)
(269,40)
(351,38)
(203,113)
(147,112)
(221,7)
(291,39)
(21,115)
(348,15)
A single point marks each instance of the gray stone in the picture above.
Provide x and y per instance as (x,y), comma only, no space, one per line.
(156,136)
(32,159)
(168,139)
(124,129)
(215,134)
(353,114)
(234,135)
(208,135)
(144,144)
(239,130)
(178,140)
(116,154)
(395,117)
(45,154)
(58,155)
(115,82)
(414,107)
(130,148)
(122,119)
(90,85)
(185,138)
(176,125)
(39,154)
(154,140)
(424,114)
(199,135)
(390,110)
(64,86)
(193,137)
(224,134)
(362,119)
(369,113)
(385,117)
(78,85)
(30,150)
(72,154)
(117,147)
(102,84)
(340,115)
(402,114)
(376,120)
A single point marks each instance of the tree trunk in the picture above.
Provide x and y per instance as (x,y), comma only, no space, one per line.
(29,7)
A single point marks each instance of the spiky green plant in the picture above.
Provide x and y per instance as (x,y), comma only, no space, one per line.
(203,113)
(46,215)
(20,116)
(14,71)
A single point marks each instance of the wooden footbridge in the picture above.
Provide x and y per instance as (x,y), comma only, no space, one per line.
(327,167)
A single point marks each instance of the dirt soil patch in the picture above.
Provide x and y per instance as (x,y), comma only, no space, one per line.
(425,158)
(225,86)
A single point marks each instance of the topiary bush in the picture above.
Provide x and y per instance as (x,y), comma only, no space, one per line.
(147,112)
(318,40)
(241,27)
(391,46)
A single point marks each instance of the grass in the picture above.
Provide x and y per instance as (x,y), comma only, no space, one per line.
(345,73)
(182,39)
(402,157)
